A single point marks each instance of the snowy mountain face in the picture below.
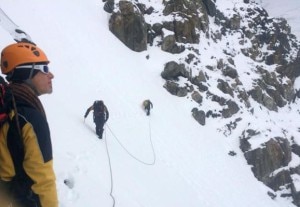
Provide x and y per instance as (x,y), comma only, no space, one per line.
(235,67)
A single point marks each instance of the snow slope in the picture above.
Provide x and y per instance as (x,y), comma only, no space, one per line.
(188,165)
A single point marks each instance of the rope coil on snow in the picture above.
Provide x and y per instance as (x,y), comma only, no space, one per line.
(130,154)
(109,161)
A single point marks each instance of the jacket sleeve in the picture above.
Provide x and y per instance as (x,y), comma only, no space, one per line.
(88,111)
(107,114)
(38,163)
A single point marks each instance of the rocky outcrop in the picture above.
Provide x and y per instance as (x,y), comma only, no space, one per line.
(175,89)
(196,96)
(275,153)
(128,24)
(170,45)
(258,95)
(193,18)
(231,109)
(291,69)
(270,164)
(173,71)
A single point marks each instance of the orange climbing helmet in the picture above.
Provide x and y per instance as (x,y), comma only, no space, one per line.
(21,53)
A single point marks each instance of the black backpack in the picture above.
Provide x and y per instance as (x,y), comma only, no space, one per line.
(6,101)
(98,108)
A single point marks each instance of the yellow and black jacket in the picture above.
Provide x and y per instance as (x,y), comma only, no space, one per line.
(26,165)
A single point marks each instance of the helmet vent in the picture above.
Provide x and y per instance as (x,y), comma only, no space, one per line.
(36,53)
(5,64)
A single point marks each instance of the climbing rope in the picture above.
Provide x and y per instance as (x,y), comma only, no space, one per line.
(134,157)
(109,161)
(110,169)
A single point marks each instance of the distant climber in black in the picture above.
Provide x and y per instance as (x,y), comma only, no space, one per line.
(297,95)
(100,117)
(147,104)
(150,36)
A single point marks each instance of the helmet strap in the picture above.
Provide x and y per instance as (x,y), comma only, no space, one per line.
(31,71)
(29,81)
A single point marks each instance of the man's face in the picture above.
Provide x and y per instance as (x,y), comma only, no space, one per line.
(43,82)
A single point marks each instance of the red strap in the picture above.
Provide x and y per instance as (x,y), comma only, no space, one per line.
(2,92)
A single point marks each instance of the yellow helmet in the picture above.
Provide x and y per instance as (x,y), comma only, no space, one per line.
(21,53)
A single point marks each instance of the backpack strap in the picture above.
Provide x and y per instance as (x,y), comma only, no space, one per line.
(17,152)
(15,143)
(9,114)
(16,115)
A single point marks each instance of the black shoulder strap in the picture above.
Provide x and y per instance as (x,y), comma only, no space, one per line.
(15,143)
(21,180)
(14,139)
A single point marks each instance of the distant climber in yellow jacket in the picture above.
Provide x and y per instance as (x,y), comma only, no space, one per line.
(147,104)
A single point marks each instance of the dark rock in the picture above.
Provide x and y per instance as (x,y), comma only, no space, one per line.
(199,116)
(232,108)
(224,87)
(175,89)
(229,71)
(173,71)
(197,97)
(129,26)
(210,7)
(169,45)
(275,154)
